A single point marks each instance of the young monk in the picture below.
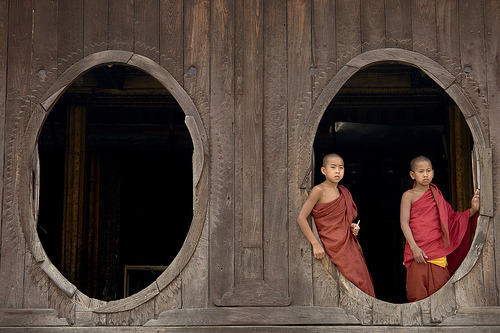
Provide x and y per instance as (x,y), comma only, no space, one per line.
(433,232)
(333,210)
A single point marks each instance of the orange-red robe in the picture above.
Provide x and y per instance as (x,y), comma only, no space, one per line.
(438,231)
(333,221)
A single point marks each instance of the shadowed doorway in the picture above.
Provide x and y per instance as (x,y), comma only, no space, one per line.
(116,192)
(381,118)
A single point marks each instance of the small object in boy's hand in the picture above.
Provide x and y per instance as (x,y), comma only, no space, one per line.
(358,222)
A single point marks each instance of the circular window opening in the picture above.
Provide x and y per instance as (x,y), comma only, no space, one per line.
(116,176)
(382,117)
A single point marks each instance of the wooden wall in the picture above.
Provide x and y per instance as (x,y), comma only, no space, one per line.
(254,69)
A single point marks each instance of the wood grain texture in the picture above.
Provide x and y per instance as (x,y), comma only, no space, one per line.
(121,25)
(222,172)
(472,55)
(172,38)
(69,34)
(299,103)
(448,37)
(147,29)
(347,30)
(398,23)
(423,21)
(197,55)
(474,316)
(492,37)
(95,26)
(372,24)
(4,25)
(169,298)
(16,109)
(324,45)
(275,207)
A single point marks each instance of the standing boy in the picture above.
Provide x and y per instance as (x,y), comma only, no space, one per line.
(333,210)
(433,231)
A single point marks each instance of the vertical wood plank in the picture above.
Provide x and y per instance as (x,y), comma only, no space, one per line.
(95,26)
(36,285)
(275,138)
(372,24)
(194,277)
(448,41)
(222,148)
(171,38)
(197,55)
(492,38)
(147,29)
(324,45)
(348,30)
(472,55)
(121,25)
(4,20)
(252,185)
(398,23)
(470,290)
(44,61)
(489,278)
(423,21)
(69,34)
(16,109)
(299,102)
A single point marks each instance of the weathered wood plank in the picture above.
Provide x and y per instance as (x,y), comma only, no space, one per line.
(398,23)
(44,59)
(121,25)
(36,285)
(448,41)
(69,34)
(324,45)
(372,24)
(474,316)
(472,57)
(299,103)
(147,29)
(4,20)
(197,55)
(275,138)
(251,259)
(411,314)
(488,256)
(356,302)
(140,315)
(424,30)
(442,303)
(95,26)
(16,109)
(171,38)
(222,148)
(470,290)
(347,30)
(385,313)
(492,38)
(169,298)
(300,315)
(30,317)
(194,277)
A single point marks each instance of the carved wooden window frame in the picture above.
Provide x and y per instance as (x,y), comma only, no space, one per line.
(360,304)
(27,190)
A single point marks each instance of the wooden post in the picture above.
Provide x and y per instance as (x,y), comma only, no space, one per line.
(74,190)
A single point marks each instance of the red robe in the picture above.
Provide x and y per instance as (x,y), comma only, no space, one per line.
(438,230)
(333,221)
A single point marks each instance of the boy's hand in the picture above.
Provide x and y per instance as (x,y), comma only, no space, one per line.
(319,252)
(354,229)
(475,203)
(419,255)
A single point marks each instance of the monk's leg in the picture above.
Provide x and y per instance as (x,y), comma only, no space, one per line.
(417,281)
(438,277)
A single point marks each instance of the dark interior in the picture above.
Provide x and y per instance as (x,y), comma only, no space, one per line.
(136,130)
(384,116)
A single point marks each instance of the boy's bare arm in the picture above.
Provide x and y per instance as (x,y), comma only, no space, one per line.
(313,198)
(418,254)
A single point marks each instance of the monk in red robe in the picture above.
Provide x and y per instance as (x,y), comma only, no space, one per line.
(437,238)
(334,210)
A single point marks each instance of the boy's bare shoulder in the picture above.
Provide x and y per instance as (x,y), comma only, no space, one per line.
(317,190)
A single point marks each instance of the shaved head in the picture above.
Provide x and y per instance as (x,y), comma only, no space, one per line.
(332,155)
(419,159)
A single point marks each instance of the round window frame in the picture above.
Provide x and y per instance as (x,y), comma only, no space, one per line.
(482,153)
(28,159)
